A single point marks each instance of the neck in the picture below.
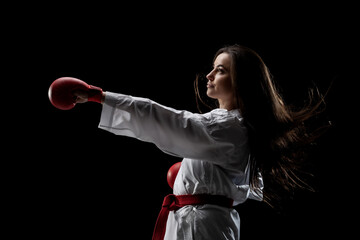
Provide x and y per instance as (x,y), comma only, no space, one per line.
(228,105)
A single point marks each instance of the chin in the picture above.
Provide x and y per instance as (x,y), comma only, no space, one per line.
(210,94)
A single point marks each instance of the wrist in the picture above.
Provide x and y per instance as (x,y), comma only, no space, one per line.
(95,94)
(103,97)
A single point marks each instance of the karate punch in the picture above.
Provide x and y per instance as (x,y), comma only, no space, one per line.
(61,95)
(61,92)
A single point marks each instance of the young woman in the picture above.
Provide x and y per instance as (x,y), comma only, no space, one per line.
(248,147)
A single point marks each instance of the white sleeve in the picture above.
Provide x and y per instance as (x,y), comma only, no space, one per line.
(180,133)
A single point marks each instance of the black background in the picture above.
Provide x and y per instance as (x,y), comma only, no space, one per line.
(65,178)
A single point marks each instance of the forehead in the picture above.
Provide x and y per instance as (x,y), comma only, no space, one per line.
(222,59)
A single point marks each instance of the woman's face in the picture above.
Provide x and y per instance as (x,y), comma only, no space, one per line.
(219,84)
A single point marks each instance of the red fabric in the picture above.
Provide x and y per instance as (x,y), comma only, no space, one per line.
(172,203)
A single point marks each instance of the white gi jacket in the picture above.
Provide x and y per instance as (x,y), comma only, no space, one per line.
(215,152)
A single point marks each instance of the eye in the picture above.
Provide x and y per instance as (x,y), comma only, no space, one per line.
(220,70)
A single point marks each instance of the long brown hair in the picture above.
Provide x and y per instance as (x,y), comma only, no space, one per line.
(278,133)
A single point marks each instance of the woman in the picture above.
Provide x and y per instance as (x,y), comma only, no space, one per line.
(251,137)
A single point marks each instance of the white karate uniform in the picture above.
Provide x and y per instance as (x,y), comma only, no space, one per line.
(215,152)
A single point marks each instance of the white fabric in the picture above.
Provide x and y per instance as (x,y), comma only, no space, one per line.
(215,152)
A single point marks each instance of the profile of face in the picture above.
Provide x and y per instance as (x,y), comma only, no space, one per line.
(219,85)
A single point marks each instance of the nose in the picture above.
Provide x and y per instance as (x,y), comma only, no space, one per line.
(210,76)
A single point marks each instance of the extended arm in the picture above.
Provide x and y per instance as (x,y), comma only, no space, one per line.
(179,133)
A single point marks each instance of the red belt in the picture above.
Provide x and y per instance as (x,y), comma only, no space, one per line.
(173,203)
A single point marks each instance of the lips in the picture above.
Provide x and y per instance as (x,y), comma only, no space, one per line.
(210,85)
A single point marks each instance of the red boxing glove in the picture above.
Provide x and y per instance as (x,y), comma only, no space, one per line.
(172,173)
(61,92)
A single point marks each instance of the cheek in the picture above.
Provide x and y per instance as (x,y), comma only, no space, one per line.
(222,89)
(225,85)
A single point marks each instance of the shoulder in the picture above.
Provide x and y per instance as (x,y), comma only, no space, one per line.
(224,116)
(221,121)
